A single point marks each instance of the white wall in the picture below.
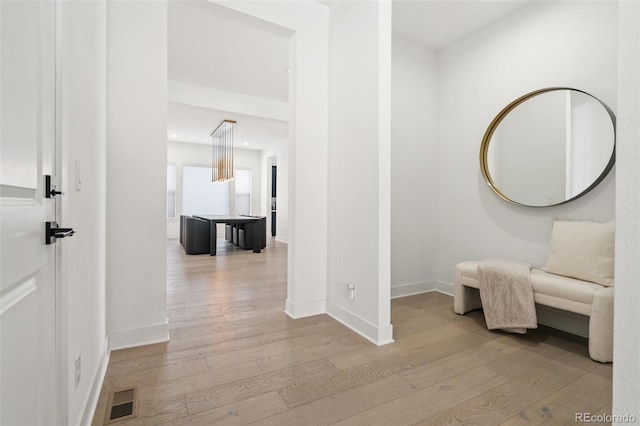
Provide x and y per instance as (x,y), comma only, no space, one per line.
(280,153)
(626,366)
(413,168)
(81,113)
(191,154)
(136,172)
(357,142)
(543,44)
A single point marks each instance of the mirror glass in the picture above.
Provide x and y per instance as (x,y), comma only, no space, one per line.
(548,147)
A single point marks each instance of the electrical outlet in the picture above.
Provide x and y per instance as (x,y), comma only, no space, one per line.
(78,361)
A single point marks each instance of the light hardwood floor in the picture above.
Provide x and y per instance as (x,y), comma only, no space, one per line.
(236,358)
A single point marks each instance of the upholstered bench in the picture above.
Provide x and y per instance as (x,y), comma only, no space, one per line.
(578,249)
(569,294)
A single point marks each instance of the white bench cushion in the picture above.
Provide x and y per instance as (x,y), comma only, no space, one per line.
(549,289)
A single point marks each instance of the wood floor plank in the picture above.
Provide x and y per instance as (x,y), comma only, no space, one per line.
(413,408)
(237,413)
(270,349)
(124,366)
(246,328)
(368,354)
(167,353)
(204,321)
(305,391)
(561,406)
(187,313)
(603,370)
(450,366)
(260,333)
(200,381)
(517,363)
(243,389)
(155,375)
(245,299)
(504,401)
(583,363)
(176,305)
(417,322)
(137,352)
(347,342)
(262,312)
(334,408)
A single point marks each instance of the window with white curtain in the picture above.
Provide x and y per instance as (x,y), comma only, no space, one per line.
(200,196)
(171,191)
(243,191)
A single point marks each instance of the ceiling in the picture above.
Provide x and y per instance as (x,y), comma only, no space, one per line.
(209,50)
(194,124)
(437,24)
(208,47)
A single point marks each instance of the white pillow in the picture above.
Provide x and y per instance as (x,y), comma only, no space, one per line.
(582,250)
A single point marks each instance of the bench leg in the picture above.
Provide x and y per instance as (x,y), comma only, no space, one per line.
(465,299)
(601,326)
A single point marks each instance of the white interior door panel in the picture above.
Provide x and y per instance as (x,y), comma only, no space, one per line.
(28,327)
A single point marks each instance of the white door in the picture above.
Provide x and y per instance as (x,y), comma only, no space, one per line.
(28,363)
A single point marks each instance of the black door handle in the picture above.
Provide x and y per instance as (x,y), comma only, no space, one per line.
(49,189)
(52,232)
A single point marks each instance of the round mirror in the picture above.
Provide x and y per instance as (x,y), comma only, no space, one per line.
(548,147)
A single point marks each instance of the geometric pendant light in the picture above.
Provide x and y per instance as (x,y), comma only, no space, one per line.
(222,151)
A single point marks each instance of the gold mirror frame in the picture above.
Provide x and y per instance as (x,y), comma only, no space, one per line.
(486,139)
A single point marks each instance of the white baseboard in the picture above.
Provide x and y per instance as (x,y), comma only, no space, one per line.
(139,336)
(404,290)
(90,402)
(443,287)
(385,335)
(305,309)
(282,240)
(375,334)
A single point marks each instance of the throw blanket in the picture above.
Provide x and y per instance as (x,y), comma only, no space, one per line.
(507,296)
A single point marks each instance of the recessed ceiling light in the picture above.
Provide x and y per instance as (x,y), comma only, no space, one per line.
(246,143)
(173,135)
(288,70)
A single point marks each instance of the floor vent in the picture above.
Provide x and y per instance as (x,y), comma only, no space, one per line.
(122,405)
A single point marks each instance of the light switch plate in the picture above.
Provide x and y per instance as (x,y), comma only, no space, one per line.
(78,176)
